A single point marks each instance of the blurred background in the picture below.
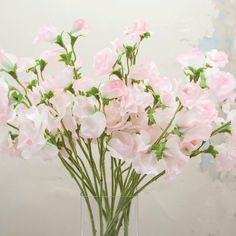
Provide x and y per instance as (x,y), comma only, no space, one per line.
(39,198)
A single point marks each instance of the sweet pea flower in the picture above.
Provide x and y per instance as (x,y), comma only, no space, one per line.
(32,124)
(92,126)
(115,120)
(3,101)
(221,83)
(7,61)
(104,61)
(174,159)
(47,34)
(84,84)
(217,58)
(118,45)
(226,157)
(189,94)
(136,100)
(140,27)
(194,58)
(84,106)
(122,145)
(146,163)
(113,88)
(145,71)
(80,25)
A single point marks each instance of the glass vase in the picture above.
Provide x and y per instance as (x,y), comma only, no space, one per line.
(109,216)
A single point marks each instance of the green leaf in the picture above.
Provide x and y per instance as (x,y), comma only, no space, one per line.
(17,96)
(118,73)
(145,35)
(151,118)
(158,149)
(211,150)
(106,101)
(203,80)
(32,84)
(92,92)
(129,50)
(73,39)
(67,58)
(59,40)
(42,64)
(177,132)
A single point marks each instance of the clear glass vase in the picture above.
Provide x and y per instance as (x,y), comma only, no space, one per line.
(109,216)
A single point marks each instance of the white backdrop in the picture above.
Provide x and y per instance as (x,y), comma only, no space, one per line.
(39,198)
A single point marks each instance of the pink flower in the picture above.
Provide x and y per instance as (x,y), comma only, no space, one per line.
(145,71)
(92,126)
(104,61)
(6,60)
(116,121)
(4,102)
(32,124)
(226,157)
(24,63)
(221,83)
(146,163)
(189,94)
(122,145)
(84,84)
(217,58)
(84,106)
(174,159)
(136,100)
(140,27)
(194,58)
(47,34)
(80,25)
(118,45)
(113,88)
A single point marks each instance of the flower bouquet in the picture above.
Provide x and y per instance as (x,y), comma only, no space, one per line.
(119,133)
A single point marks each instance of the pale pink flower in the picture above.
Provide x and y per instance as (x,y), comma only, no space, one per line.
(6,60)
(139,27)
(32,124)
(59,80)
(222,83)
(104,61)
(84,84)
(145,71)
(4,102)
(174,159)
(226,157)
(113,88)
(146,163)
(24,63)
(217,58)
(47,34)
(116,121)
(189,94)
(80,25)
(136,100)
(84,106)
(122,145)
(194,58)
(92,126)
(118,45)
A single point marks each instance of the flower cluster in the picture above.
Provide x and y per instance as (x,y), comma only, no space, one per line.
(150,121)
